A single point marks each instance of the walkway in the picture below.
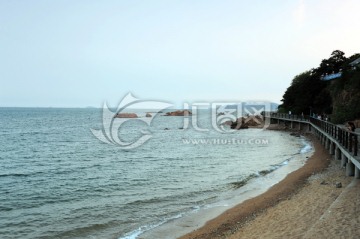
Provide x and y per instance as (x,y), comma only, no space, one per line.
(341,143)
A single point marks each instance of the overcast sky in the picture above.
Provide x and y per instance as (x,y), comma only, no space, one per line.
(72,53)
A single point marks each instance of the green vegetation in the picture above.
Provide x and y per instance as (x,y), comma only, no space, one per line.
(339,97)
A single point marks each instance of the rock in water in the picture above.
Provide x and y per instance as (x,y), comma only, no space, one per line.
(179,113)
(126,115)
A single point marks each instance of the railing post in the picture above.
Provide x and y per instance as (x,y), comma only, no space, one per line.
(345,139)
(327,127)
(355,145)
(340,135)
(330,128)
(350,168)
(343,160)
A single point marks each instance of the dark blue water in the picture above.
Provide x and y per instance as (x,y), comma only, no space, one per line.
(57,180)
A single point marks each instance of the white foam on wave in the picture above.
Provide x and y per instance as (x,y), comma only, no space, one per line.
(307,147)
(134,234)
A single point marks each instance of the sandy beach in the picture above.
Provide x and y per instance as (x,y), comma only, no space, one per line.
(306,204)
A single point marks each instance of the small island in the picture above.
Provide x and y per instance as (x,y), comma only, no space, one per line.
(179,113)
(126,115)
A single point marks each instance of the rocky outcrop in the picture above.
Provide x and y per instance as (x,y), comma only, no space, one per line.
(179,113)
(246,122)
(238,125)
(148,115)
(126,115)
(254,121)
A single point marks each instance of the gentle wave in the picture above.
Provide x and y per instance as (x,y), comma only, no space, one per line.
(307,147)
(16,175)
(274,167)
(134,234)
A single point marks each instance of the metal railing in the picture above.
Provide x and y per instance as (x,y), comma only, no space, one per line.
(290,116)
(349,140)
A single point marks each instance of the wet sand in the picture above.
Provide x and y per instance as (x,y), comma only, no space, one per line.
(296,207)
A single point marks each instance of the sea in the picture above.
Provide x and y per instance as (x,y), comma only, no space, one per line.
(58,180)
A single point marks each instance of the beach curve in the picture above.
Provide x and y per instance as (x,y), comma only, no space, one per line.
(231,221)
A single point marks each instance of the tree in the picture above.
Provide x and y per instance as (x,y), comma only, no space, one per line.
(339,97)
(332,65)
(307,90)
(304,93)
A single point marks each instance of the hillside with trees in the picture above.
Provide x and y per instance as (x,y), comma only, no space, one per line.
(339,97)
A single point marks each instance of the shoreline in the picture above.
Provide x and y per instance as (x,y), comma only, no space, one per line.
(254,187)
(234,219)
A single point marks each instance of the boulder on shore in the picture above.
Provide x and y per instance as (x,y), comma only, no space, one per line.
(338,185)
(126,115)
(179,113)
(148,115)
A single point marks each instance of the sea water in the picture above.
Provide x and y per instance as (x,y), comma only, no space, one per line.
(57,180)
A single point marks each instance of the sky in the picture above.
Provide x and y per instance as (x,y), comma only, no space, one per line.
(80,53)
